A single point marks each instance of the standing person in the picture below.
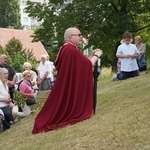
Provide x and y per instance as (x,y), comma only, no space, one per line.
(142,49)
(11,75)
(44,71)
(51,70)
(5,100)
(71,99)
(128,54)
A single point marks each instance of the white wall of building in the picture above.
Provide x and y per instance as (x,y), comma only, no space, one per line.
(28,22)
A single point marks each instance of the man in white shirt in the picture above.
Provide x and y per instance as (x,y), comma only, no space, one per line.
(51,70)
(44,74)
(128,54)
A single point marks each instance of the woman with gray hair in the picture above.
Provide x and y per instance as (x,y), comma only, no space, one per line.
(28,66)
(6,104)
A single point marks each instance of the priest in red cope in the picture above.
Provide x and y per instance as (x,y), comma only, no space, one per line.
(71,99)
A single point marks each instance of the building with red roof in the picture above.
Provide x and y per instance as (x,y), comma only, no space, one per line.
(25,38)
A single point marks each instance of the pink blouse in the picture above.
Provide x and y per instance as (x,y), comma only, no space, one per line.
(25,87)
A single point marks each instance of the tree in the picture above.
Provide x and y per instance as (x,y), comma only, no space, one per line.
(17,55)
(10,14)
(1,49)
(102,22)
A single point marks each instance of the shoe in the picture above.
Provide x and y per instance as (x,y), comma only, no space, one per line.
(33,111)
(13,122)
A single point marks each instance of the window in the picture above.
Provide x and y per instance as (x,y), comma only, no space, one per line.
(32,20)
(24,3)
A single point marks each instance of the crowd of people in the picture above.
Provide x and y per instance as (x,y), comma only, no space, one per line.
(30,83)
(131,57)
(71,97)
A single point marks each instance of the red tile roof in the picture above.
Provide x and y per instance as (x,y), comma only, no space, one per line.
(25,38)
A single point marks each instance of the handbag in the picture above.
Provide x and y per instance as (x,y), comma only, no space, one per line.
(30,101)
(142,61)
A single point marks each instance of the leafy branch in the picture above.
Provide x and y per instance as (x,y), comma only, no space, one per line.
(19,98)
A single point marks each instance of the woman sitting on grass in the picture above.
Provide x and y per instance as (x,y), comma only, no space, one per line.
(25,88)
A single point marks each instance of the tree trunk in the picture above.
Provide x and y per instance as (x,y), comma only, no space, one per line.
(114,63)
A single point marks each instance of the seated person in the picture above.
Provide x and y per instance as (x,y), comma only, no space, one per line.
(33,79)
(6,104)
(25,88)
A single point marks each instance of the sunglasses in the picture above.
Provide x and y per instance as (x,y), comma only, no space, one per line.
(28,76)
(76,34)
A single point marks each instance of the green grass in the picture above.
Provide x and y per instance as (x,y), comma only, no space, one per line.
(121,122)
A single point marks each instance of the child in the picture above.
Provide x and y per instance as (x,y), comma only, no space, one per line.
(128,53)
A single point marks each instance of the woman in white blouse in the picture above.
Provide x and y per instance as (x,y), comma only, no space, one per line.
(6,104)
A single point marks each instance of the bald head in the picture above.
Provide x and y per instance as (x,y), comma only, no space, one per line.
(73,35)
(70,31)
(3,59)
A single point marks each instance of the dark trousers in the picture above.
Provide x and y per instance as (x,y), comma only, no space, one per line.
(8,117)
(143,68)
(124,75)
(45,85)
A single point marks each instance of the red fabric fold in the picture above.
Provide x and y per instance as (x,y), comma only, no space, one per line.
(71,99)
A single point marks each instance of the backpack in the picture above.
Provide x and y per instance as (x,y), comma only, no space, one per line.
(142,61)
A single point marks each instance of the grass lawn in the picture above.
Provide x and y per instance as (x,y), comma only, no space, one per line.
(121,122)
